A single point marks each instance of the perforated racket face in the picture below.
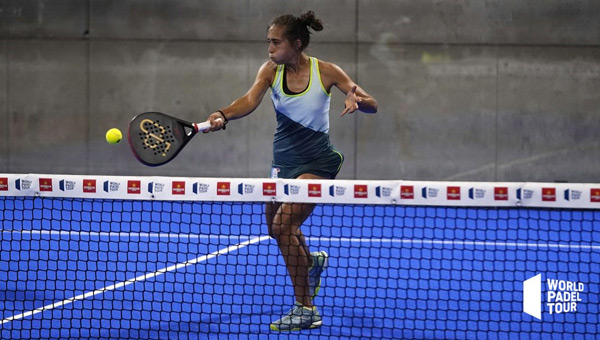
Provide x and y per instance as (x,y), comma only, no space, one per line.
(156,138)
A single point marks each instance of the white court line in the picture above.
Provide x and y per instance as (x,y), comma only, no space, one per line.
(490,244)
(137,279)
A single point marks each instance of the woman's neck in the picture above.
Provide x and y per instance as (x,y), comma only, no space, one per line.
(300,63)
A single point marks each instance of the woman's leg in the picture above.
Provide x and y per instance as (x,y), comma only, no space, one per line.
(284,221)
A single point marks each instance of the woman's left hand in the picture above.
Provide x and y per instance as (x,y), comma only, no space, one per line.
(351,101)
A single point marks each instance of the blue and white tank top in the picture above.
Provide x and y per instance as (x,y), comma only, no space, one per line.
(302,133)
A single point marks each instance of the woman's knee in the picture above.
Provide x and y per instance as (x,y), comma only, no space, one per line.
(277,230)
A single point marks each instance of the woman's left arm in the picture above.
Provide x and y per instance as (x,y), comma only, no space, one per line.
(356,97)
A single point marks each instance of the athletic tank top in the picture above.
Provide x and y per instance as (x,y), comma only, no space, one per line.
(302,133)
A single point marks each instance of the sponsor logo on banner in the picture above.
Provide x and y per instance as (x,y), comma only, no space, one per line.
(548,194)
(383,192)
(573,195)
(595,195)
(134,187)
(290,189)
(429,192)
(45,184)
(407,192)
(66,185)
(3,183)
(561,296)
(453,193)
(475,193)
(337,190)
(501,193)
(269,189)
(360,191)
(23,184)
(314,190)
(178,188)
(111,186)
(200,188)
(223,188)
(89,186)
(524,194)
(245,189)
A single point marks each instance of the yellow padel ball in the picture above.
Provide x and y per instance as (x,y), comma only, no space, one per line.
(113,136)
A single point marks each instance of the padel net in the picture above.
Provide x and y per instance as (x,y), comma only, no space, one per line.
(190,258)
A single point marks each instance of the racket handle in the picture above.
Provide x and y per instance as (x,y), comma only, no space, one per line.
(203,126)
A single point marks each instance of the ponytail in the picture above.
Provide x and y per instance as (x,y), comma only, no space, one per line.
(308,19)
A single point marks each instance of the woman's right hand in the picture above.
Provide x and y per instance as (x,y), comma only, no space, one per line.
(217,121)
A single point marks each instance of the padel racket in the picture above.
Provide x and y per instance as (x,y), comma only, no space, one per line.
(156,138)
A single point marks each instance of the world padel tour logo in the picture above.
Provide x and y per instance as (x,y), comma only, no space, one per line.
(381,191)
(134,187)
(246,189)
(337,190)
(477,193)
(561,296)
(223,188)
(572,195)
(524,194)
(428,192)
(290,189)
(156,187)
(110,186)
(3,183)
(200,188)
(23,184)
(66,185)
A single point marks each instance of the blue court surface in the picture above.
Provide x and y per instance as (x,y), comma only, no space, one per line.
(113,269)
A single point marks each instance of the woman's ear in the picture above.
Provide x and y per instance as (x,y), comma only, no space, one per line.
(298,45)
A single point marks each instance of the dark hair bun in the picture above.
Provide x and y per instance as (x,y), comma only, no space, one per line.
(308,18)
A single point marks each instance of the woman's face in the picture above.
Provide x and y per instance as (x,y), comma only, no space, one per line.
(280,50)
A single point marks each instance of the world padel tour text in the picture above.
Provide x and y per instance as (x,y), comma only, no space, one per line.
(563,296)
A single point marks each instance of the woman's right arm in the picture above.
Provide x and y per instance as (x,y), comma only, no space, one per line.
(246,104)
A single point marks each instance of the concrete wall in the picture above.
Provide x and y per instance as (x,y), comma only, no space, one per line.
(484,90)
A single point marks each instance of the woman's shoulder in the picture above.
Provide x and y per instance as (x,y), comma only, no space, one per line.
(267,71)
(327,67)
(269,66)
(330,73)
